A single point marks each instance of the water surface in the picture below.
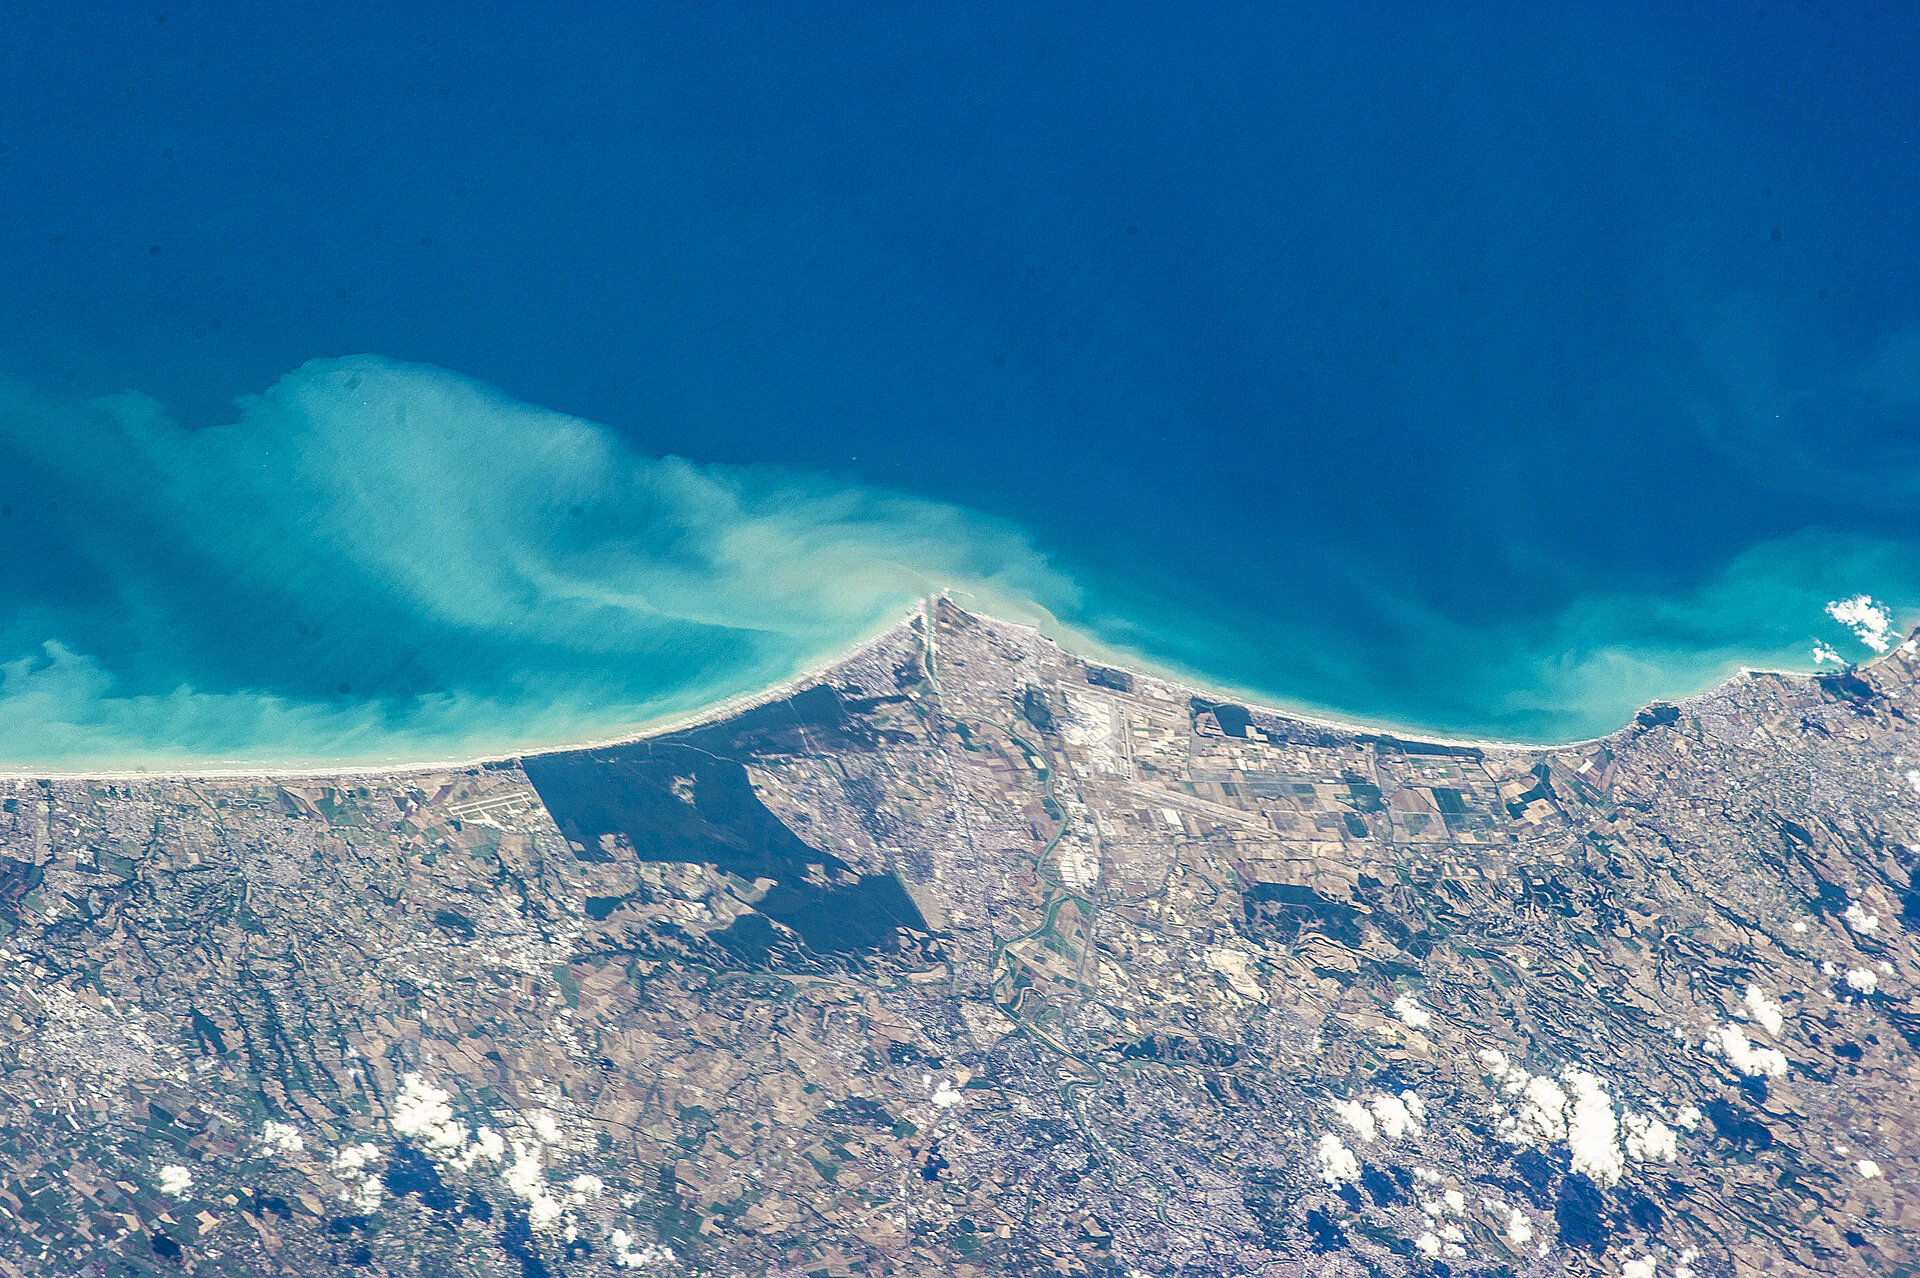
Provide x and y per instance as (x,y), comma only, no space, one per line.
(1484,373)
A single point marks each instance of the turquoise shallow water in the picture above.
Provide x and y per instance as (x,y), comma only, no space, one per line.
(1485,373)
(386,562)
(379,561)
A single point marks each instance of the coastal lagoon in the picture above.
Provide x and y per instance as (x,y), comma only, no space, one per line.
(460,386)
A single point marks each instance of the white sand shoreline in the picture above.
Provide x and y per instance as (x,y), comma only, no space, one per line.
(1086,649)
(1358,726)
(712,712)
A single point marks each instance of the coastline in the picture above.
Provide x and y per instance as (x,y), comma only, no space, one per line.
(1080,646)
(711,712)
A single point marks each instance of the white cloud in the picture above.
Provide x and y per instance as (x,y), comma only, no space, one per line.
(1356,1116)
(1824,653)
(1543,1110)
(527,1179)
(284,1137)
(627,1258)
(1395,1117)
(1863,979)
(1861,920)
(1640,1267)
(1456,1202)
(1585,1120)
(352,1158)
(1688,1117)
(1593,1134)
(486,1144)
(1764,1010)
(1519,1228)
(1754,1062)
(1411,1013)
(1428,1243)
(1870,622)
(175,1181)
(1867,1168)
(1650,1140)
(1337,1163)
(421,1110)
(1913,779)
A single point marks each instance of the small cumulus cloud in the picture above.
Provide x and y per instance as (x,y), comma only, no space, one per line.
(1542,1113)
(1593,1132)
(1744,1056)
(1649,1140)
(1356,1115)
(368,1196)
(352,1159)
(1870,621)
(1394,1116)
(1763,1010)
(1754,1062)
(283,1137)
(175,1181)
(620,1242)
(488,1145)
(526,1178)
(1337,1163)
(1577,1109)
(422,1110)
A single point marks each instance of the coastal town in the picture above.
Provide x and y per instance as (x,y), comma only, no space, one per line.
(974,957)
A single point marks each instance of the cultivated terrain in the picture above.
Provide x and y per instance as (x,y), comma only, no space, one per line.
(974,958)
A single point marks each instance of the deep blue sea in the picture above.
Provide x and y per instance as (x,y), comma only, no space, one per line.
(388,381)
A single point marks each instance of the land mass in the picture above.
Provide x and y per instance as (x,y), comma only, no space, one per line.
(973,957)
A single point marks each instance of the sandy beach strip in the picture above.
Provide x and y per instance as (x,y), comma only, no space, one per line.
(1079,645)
(710,712)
